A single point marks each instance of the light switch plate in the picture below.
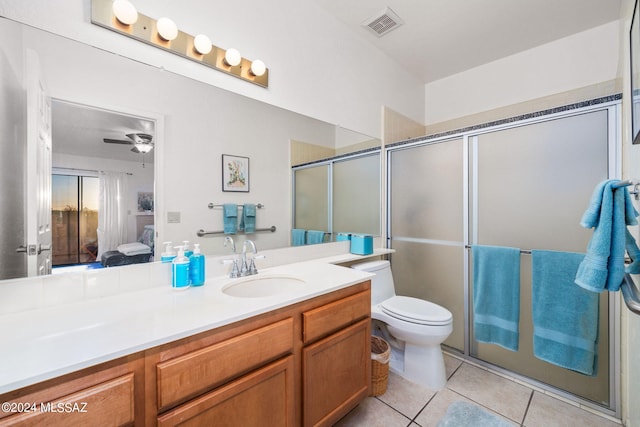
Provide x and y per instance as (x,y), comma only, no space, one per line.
(173,217)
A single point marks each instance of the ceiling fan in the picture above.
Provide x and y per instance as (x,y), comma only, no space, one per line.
(142,142)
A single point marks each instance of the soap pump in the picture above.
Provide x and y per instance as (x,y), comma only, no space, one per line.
(187,251)
(196,266)
(168,254)
(180,270)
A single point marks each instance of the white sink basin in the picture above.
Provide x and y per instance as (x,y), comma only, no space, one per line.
(263,286)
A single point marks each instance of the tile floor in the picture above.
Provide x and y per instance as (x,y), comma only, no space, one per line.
(406,404)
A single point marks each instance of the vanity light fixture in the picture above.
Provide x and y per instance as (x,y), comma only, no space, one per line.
(167,29)
(122,17)
(202,44)
(232,57)
(125,12)
(258,68)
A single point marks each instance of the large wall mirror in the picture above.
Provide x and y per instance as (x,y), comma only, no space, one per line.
(192,125)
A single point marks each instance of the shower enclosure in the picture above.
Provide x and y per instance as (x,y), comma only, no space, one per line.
(525,184)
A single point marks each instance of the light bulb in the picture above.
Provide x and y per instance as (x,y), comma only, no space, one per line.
(125,12)
(202,44)
(232,57)
(167,29)
(258,68)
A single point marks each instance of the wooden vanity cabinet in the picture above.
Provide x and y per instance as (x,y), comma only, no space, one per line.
(336,359)
(303,364)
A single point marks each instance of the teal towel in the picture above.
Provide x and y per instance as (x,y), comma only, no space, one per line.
(314,237)
(248,220)
(230,218)
(565,316)
(298,236)
(496,295)
(610,210)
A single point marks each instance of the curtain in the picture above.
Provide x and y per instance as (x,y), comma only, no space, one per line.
(112,211)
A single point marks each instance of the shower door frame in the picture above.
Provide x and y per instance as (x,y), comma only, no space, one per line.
(469,138)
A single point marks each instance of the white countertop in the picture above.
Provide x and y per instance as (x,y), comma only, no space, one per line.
(41,344)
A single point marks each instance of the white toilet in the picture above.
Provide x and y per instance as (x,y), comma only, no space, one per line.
(415,328)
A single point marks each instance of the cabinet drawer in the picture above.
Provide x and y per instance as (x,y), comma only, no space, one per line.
(202,370)
(331,317)
(264,397)
(108,403)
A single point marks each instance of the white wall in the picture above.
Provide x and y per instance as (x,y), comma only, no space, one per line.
(316,66)
(577,61)
(201,122)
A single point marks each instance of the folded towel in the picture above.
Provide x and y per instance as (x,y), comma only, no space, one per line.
(565,316)
(496,295)
(135,248)
(248,219)
(298,236)
(315,237)
(610,210)
(230,218)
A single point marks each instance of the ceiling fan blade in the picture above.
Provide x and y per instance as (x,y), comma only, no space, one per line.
(117,141)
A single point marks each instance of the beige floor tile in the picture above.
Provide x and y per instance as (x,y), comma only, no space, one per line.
(437,407)
(373,413)
(492,391)
(404,396)
(545,411)
(451,364)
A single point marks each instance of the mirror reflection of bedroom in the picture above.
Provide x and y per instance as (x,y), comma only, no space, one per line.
(102,188)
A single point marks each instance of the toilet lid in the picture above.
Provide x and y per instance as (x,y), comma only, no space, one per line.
(416,310)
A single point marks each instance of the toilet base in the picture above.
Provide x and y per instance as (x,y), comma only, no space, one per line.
(421,365)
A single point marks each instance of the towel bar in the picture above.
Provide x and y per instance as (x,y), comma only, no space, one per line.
(630,294)
(627,182)
(201,232)
(211,206)
(522,251)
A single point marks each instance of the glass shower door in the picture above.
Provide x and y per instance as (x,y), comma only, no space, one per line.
(427,227)
(529,188)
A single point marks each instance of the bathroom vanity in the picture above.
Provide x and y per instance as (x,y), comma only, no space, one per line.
(302,358)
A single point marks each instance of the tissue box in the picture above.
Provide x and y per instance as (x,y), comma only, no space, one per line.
(362,244)
(340,237)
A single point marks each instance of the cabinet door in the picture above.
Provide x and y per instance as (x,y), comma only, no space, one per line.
(264,397)
(109,403)
(336,374)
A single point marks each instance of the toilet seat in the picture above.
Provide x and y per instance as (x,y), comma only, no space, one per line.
(416,310)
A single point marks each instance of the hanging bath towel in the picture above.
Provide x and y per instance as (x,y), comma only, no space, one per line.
(298,236)
(496,295)
(248,220)
(565,316)
(610,211)
(230,218)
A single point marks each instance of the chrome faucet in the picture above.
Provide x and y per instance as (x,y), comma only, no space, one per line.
(248,269)
(235,272)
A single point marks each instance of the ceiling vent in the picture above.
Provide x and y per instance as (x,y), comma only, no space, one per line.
(383,23)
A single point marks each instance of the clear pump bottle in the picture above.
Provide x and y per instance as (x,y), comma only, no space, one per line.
(180,270)
(196,266)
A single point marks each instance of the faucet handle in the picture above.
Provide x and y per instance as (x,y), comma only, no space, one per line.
(252,267)
(234,269)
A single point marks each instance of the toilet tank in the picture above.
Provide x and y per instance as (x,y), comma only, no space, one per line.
(382,287)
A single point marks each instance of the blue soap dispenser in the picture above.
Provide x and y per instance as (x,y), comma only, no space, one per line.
(180,270)
(196,266)
(187,251)
(168,254)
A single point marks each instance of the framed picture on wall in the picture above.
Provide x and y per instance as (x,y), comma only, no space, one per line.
(634,60)
(235,173)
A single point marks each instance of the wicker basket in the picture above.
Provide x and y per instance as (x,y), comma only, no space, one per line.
(380,355)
